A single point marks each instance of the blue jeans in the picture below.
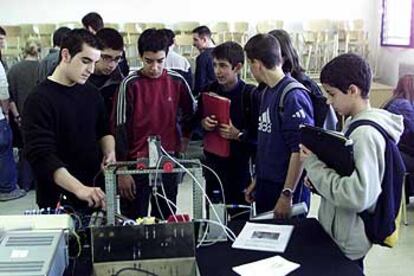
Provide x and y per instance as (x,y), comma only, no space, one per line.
(8,173)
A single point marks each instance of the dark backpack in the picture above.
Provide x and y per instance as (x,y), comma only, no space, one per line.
(381,227)
(324,115)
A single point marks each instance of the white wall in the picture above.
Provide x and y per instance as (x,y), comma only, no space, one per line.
(168,11)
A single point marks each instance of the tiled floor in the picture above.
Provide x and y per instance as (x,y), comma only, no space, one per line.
(381,261)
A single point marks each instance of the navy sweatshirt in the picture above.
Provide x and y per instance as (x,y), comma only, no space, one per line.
(278,136)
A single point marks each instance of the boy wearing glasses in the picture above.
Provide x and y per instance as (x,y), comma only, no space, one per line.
(107,75)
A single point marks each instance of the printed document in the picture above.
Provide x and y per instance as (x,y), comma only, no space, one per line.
(263,237)
(273,266)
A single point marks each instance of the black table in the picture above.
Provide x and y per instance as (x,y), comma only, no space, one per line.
(310,246)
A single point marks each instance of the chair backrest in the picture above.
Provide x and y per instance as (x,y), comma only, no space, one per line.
(13,30)
(45,29)
(240,27)
(220,27)
(115,26)
(185,27)
(155,25)
(268,25)
(132,28)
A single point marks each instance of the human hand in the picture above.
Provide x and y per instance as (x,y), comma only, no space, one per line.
(209,123)
(248,193)
(228,131)
(108,159)
(93,195)
(304,152)
(283,207)
(126,186)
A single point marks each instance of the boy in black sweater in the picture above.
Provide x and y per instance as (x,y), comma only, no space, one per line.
(234,172)
(65,128)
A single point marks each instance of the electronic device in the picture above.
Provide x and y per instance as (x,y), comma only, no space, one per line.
(36,252)
(31,222)
(162,249)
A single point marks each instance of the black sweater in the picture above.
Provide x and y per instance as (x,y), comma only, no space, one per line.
(61,128)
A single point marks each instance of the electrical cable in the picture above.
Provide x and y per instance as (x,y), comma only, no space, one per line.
(135,269)
(203,191)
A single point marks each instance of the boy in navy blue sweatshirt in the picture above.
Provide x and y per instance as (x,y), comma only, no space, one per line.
(234,172)
(279,179)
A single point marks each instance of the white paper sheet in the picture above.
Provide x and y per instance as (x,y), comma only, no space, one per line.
(264,237)
(273,266)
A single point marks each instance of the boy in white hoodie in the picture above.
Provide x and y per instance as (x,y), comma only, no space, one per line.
(347,80)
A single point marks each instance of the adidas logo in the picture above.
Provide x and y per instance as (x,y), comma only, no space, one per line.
(300,114)
(265,125)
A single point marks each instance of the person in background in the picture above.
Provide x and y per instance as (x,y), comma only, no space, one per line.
(48,63)
(204,72)
(175,61)
(66,131)
(8,174)
(2,45)
(22,78)
(93,22)
(402,103)
(107,75)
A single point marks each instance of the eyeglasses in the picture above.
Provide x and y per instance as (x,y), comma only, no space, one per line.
(109,59)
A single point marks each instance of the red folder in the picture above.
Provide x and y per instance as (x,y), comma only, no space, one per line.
(213,104)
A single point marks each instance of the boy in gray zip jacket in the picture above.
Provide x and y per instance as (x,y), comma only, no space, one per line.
(347,80)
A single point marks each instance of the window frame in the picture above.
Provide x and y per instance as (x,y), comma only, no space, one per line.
(411,41)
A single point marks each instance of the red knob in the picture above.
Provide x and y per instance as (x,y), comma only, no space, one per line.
(168,166)
(140,166)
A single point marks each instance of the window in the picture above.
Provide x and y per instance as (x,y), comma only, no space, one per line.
(397,23)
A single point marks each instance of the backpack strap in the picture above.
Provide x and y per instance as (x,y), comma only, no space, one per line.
(289,87)
(373,124)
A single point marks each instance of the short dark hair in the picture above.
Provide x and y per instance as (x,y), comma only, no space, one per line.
(347,69)
(94,20)
(74,40)
(152,40)
(266,48)
(230,51)
(202,31)
(110,38)
(2,31)
(169,35)
(59,34)
(290,56)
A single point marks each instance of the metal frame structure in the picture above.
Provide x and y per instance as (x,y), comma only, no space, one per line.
(121,168)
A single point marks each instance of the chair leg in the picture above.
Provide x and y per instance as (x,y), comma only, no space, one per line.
(404,203)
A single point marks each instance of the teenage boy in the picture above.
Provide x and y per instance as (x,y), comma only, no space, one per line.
(93,22)
(204,72)
(65,128)
(107,75)
(279,180)
(234,172)
(151,101)
(347,80)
